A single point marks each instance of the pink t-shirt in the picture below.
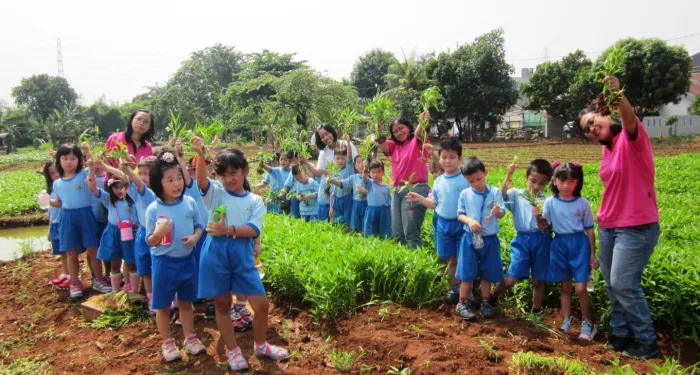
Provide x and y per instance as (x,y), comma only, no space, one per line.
(406,159)
(627,172)
(144,151)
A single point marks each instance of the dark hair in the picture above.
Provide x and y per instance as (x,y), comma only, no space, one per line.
(147,162)
(148,136)
(342,151)
(67,149)
(156,174)
(450,144)
(472,165)
(319,143)
(540,166)
(296,170)
(113,197)
(276,157)
(47,175)
(376,164)
(231,158)
(406,123)
(289,155)
(565,171)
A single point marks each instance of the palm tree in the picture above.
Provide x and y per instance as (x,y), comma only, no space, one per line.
(69,122)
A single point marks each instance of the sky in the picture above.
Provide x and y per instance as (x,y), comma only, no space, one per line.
(117,49)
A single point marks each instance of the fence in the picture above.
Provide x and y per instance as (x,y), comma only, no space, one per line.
(686,125)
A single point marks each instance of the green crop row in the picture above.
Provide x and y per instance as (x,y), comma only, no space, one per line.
(19,191)
(33,156)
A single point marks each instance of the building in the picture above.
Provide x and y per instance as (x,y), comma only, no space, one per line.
(683,107)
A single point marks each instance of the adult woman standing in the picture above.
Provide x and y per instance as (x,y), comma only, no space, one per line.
(408,163)
(628,221)
(138,136)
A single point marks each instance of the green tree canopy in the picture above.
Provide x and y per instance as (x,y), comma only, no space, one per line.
(695,107)
(368,72)
(42,94)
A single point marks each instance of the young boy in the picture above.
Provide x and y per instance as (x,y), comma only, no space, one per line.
(276,177)
(378,215)
(479,255)
(307,192)
(446,192)
(529,250)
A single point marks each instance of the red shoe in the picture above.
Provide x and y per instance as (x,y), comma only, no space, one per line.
(59,280)
(64,285)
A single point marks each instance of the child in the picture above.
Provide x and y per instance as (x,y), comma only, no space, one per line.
(290,184)
(529,250)
(572,251)
(51,175)
(227,260)
(173,227)
(446,192)
(78,225)
(323,199)
(436,171)
(99,209)
(479,208)
(307,192)
(276,177)
(359,200)
(378,216)
(341,198)
(114,246)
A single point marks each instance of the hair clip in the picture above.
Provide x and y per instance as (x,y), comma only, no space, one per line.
(576,164)
(555,164)
(168,157)
(111,181)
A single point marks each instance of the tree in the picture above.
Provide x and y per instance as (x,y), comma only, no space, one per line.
(368,72)
(107,117)
(42,94)
(68,122)
(655,73)
(695,107)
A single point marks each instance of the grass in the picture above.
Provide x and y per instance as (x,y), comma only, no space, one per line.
(19,191)
(342,360)
(533,364)
(25,366)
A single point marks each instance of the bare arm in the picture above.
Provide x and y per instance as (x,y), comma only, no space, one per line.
(92,185)
(629,118)
(506,182)
(133,177)
(312,168)
(185,173)
(202,171)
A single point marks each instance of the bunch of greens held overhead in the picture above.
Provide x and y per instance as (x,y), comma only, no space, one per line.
(349,119)
(333,171)
(209,133)
(120,155)
(263,157)
(429,98)
(90,135)
(177,130)
(613,65)
(366,150)
(382,110)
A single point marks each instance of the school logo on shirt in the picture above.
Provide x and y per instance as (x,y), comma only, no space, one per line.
(79,187)
(580,214)
(189,216)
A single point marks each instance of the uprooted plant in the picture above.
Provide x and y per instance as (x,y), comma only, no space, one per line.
(613,65)
(381,109)
(429,98)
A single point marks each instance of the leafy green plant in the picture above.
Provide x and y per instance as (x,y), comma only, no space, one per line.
(176,129)
(529,362)
(120,311)
(429,98)
(613,65)
(349,120)
(216,215)
(399,371)
(342,360)
(408,186)
(263,157)
(382,110)
(490,349)
(90,135)
(208,133)
(18,192)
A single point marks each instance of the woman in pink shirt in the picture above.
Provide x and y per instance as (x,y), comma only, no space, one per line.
(138,136)
(628,223)
(408,162)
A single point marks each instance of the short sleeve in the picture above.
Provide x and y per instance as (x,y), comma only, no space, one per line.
(54,190)
(462,204)
(267,178)
(641,143)
(104,198)
(345,182)
(391,147)
(588,217)
(209,195)
(133,191)
(314,185)
(289,182)
(435,193)
(322,159)
(547,209)
(255,220)
(150,222)
(197,219)
(511,197)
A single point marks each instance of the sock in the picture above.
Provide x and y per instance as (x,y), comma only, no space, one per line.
(486,298)
(463,299)
(135,281)
(234,351)
(116,281)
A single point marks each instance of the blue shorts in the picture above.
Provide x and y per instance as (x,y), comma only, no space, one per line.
(142,253)
(529,251)
(78,229)
(570,258)
(343,208)
(54,236)
(274,208)
(308,218)
(173,276)
(377,222)
(323,210)
(357,219)
(198,247)
(113,248)
(294,208)
(448,237)
(227,266)
(484,263)
(100,229)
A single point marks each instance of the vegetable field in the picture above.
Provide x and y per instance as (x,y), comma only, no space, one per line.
(18,192)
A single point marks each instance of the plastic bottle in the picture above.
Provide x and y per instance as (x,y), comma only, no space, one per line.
(259,267)
(477,240)
(44,200)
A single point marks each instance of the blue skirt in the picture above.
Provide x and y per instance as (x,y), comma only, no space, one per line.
(343,209)
(142,253)
(294,208)
(54,238)
(78,229)
(112,247)
(323,210)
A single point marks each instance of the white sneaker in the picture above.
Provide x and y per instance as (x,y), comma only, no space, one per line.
(169,350)
(193,346)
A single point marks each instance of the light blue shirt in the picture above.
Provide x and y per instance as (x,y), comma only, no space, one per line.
(241,209)
(446,192)
(323,199)
(54,213)
(568,216)
(478,206)
(193,192)
(141,201)
(276,177)
(344,173)
(97,208)
(311,206)
(126,212)
(185,217)
(523,219)
(378,195)
(290,183)
(73,192)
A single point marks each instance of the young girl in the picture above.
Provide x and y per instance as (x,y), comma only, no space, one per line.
(378,216)
(51,175)
(307,192)
(572,251)
(114,246)
(173,227)
(290,184)
(276,177)
(359,200)
(324,206)
(78,226)
(227,261)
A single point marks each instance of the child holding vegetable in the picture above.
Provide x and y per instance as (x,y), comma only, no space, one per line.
(572,252)
(307,192)
(341,197)
(378,216)
(359,200)
(276,177)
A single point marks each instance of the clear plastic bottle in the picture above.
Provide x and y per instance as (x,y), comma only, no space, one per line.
(259,267)
(477,240)
(44,200)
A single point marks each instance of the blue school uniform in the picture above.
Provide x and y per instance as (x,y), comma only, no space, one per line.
(529,249)
(378,215)
(324,201)
(142,252)
(194,192)
(111,245)
(227,264)
(485,262)
(98,208)
(54,220)
(78,225)
(359,202)
(342,196)
(449,231)
(276,177)
(308,209)
(291,183)
(174,268)
(570,249)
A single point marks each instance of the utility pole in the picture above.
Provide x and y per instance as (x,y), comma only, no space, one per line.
(59,56)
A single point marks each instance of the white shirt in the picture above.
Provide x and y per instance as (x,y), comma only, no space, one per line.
(327,155)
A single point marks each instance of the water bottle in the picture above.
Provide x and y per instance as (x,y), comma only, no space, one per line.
(259,267)
(44,200)
(477,240)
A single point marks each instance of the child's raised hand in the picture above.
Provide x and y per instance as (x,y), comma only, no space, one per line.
(425,116)
(346,137)
(413,197)
(198,145)
(536,211)
(178,147)
(189,241)
(85,147)
(511,169)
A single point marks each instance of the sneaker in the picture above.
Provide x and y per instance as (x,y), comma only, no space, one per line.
(65,285)
(487,311)
(193,346)
(642,351)
(209,311)
(465,311)
(76,289)
(236,361)
(588,330)
(619,343)
(127,288)
(566,326)
(240,325)
(273,352)
(101,285)
(169,350)
(59,280)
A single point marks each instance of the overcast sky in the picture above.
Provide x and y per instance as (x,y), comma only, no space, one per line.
(116,48)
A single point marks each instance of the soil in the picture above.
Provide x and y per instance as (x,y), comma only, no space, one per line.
(7,222)
(38,323)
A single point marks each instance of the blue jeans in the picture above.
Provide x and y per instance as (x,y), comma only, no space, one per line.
(406,223)
(624,253)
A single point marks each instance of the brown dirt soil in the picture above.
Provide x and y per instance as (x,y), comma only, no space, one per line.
(39,324)
(23,221)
